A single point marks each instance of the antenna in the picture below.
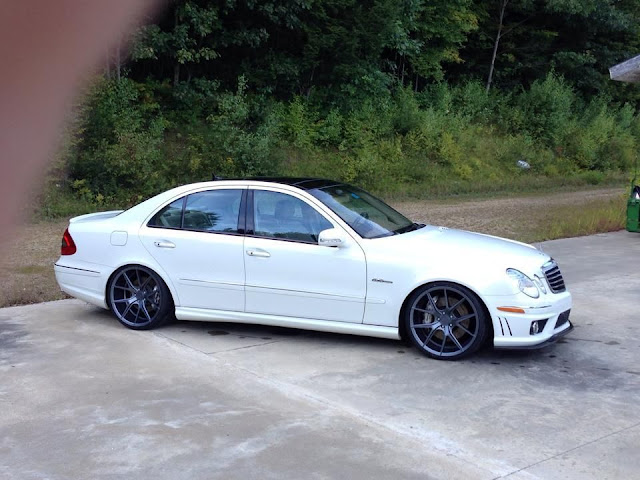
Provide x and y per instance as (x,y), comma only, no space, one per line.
(215,177)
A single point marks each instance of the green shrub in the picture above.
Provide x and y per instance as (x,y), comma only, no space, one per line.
(546,108)
(120,150)
(137,139)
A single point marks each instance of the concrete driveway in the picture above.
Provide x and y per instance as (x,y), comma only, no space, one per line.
(82,397)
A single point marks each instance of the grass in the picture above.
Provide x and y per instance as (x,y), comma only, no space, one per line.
(26,267)
(523,184)
(588,218)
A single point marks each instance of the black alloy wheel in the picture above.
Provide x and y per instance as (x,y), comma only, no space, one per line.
(139,298)
(446,321)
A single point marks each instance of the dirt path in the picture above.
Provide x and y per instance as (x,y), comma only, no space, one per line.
(510,217)
(26,266)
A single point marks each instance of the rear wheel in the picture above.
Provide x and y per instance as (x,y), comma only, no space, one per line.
(139,298)
(446,321)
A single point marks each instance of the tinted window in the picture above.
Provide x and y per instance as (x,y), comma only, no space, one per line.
(213,211)
(169,217)
(277,215)
(366,214)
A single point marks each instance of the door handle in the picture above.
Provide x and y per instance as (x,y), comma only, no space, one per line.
(164,244)
(258,253)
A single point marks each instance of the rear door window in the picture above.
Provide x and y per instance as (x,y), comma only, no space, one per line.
(210,211)
(213,211)
(169,217)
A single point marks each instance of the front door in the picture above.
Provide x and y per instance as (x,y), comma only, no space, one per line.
(288,273)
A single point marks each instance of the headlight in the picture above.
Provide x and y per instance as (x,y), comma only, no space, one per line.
(539,283)
(524,283)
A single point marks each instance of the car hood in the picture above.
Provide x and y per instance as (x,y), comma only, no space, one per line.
(441,244)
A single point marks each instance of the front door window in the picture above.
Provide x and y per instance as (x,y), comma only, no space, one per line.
(281,216)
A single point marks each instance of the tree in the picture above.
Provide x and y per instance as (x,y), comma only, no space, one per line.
(520,41)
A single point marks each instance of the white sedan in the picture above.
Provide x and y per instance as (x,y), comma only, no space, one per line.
(312,254)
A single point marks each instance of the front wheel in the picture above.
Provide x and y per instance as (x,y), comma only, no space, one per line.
(446,321)
(139,298)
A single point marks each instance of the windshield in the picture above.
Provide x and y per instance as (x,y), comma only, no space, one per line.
(368,216)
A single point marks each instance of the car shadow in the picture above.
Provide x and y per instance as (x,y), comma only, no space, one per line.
(486,355)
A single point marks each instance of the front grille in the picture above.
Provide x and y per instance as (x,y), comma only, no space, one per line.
(554,277)
(562,318)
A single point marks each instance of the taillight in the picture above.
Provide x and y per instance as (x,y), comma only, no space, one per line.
(68,246)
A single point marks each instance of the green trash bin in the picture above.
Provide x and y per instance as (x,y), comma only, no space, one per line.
(633,208)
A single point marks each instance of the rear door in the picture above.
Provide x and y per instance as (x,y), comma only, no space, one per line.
(198,240)
(288,273)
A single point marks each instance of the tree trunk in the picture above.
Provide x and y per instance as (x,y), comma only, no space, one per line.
(108,64)
(496,43)
(176,74)
(176,67)
(313,71)
(118,61)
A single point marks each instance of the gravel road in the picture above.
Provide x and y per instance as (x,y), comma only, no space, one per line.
(509,217)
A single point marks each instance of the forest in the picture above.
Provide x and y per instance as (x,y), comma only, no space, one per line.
(407,98)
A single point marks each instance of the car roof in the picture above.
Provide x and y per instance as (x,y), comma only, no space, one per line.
(299,182)
(303,183)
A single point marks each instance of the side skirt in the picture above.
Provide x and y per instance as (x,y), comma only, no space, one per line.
(202,315)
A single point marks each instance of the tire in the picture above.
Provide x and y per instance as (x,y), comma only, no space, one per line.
(139,298)
(445,321)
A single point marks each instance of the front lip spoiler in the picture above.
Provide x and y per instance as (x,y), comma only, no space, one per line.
(550,341)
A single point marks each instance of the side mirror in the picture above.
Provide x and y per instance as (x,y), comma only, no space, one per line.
(332,237)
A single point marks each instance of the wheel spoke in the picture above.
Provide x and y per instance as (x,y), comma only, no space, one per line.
(458,303)
(465,317)
(422,310)
(446,299)
(425,325)
(135,320)
(138,277)
(129,283)
(127,310)
(153,303)
(435,307)
(444,340)
(144,310)
(144,284)
(455,340)
(430,336)
(126,289)
(122,300)
(466,331)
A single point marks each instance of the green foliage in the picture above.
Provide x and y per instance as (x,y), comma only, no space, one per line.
(578,39)
(120,150)
(390,95)
(546,108)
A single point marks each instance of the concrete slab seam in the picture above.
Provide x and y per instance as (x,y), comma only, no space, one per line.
(243,348)
(570,450)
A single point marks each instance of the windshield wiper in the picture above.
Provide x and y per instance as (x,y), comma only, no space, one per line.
(408,228)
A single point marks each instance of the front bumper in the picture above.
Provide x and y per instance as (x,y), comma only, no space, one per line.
(513,330)
(550,341)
